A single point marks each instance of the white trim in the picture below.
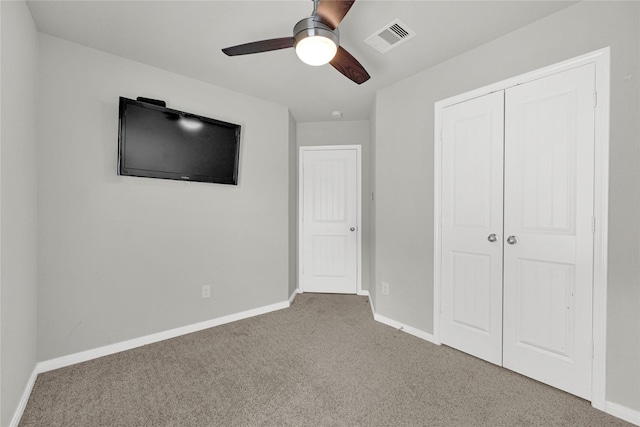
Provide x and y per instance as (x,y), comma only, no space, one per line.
(358,149)
(24,399)
(600,243)
(404,328)
(437,226)
(373,309)
(293,295)
(1,287)
(622,412)
(601,59)
(614,409)
(592,57)
(83,356)
(365,293)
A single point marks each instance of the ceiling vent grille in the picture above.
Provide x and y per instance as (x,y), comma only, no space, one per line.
(391,35)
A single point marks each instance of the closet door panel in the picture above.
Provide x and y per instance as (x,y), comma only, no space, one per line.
(549,155)
(472,152)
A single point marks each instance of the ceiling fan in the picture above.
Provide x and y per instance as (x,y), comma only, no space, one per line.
(316,40)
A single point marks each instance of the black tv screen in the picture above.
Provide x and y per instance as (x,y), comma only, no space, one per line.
(158,142)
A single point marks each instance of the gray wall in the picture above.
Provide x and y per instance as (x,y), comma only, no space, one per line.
(346,133)
(293,206)
(404,169)
(123,257)
(18,203)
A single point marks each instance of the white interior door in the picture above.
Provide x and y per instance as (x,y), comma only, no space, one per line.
(472,201)
(548,257)
(329,221)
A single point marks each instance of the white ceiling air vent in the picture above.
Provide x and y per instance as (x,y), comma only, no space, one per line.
(391,35)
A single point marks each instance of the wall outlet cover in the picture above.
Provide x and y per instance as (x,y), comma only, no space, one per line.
(206,291)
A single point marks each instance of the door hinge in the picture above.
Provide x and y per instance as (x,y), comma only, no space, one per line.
(593,224)
(595,99)
(593,349)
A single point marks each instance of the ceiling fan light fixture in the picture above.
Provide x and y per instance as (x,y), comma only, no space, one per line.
(315,43)
(316,40)
(316,50)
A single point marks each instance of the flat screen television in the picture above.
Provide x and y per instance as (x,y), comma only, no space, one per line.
(158,142)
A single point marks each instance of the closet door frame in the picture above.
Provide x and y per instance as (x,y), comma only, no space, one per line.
(601,59)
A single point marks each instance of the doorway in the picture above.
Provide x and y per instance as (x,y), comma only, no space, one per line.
(329,220)
(521,215)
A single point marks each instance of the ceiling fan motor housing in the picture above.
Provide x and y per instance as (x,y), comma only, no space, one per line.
(308,27)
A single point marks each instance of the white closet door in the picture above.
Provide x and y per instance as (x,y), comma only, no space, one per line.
(549,158)
(330,226)
(472,203)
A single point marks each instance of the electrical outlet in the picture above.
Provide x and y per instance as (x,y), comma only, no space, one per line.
(206,291)
(385,288)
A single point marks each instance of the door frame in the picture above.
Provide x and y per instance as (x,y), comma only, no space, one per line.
(358,150)
(601,59)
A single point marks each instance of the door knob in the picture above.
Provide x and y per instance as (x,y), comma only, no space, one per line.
(492,238)
(512,240)
(352,229)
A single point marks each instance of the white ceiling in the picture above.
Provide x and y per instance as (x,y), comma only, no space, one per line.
(186,37)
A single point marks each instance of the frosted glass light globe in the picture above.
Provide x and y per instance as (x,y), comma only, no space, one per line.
(316,50)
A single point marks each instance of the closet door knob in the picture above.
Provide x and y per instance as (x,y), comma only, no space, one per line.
(512,240)
(492,238)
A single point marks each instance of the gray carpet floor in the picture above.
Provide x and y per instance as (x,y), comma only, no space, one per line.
(322,362)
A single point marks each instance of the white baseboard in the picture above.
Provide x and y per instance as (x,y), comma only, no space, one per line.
(83,356)
(373,309)
(296,291)
(404,328)
(24,399)
(613,409)
(363,292)
(622,412)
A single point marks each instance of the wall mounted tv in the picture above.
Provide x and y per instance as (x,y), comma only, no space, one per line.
(158,142)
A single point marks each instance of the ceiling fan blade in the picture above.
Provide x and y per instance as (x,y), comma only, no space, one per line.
(349,66)
(332,11)
(259,46)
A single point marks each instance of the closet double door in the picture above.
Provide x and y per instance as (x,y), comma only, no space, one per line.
(517,228)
